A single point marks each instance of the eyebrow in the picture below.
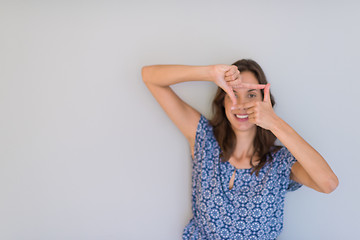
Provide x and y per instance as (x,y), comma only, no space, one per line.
(248,90)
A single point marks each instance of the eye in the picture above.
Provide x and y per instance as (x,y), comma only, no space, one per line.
(236,95)
(252,95)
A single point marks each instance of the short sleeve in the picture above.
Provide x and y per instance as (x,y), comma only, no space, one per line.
(206,149)
(293,185)
(201,132)
(287,161)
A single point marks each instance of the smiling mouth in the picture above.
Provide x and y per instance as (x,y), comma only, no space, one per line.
(241,116)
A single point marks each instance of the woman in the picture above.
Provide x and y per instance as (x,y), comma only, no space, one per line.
(239,176)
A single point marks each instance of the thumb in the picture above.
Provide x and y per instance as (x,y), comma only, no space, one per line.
(267,93)
(229,90)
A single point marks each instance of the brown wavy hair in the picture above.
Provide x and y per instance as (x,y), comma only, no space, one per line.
(264,141)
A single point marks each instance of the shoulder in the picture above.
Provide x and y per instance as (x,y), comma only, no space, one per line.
(205,142)
(283,158)
(280,153)
(204,128)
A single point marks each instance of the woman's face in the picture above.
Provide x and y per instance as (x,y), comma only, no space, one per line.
(238,117)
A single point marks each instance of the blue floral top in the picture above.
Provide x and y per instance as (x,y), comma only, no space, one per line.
(252,209)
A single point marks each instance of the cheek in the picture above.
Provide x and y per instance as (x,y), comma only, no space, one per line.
(227,102)
(227,106)
(228,112)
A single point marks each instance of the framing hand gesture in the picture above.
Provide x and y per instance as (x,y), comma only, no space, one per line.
(260,113)
(228,78)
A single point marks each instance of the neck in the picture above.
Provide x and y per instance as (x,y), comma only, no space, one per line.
(244,143)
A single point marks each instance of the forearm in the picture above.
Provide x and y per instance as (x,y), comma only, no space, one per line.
(166,75)
(312,162)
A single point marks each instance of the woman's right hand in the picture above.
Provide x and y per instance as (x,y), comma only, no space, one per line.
(227,77)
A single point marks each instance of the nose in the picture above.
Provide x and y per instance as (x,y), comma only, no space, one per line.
(236,109)
(241,100)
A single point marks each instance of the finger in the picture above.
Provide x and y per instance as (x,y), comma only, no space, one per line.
(267,93)
(234,83)
(231,71)
(231,78)
(229,90)
(243,106)
(250,110)
(251,116)
(250,86)
(252,119)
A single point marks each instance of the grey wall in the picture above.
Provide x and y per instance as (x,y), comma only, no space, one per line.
(87,153)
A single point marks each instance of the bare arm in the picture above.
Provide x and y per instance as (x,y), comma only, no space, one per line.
(159,78)
(311,169)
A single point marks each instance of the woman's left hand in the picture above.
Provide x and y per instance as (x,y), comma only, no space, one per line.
(261,113)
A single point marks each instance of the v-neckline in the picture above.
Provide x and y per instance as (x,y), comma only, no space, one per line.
(231,172)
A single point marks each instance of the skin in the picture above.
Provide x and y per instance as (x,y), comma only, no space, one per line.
(311,169)
(245,130)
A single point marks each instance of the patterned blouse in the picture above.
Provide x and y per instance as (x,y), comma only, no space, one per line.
(252,209)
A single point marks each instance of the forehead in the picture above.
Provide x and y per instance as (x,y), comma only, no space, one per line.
(248,77)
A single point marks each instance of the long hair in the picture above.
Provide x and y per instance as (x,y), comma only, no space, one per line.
(264,141)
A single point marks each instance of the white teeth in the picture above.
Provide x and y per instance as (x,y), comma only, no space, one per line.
(241,116)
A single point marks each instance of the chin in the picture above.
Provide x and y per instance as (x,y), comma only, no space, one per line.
(243,127)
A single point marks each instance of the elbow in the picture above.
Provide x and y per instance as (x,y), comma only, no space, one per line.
(331,185)
(145,73)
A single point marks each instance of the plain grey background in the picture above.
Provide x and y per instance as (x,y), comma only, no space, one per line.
(87,153)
